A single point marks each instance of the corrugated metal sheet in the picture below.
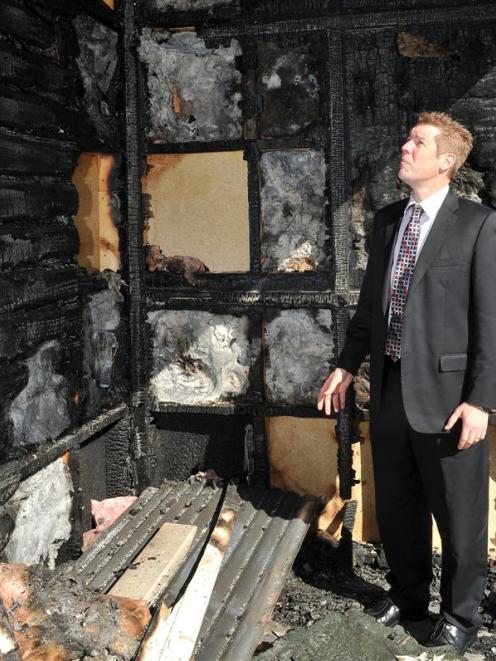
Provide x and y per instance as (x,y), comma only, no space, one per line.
(267,535)
(105,560)
(269,529)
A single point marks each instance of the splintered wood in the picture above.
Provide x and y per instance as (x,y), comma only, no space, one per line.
(175,631)
(154,567)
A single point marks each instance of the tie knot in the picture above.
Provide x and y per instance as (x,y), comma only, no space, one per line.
(416,210)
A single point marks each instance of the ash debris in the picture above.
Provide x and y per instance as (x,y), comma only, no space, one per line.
(323,603)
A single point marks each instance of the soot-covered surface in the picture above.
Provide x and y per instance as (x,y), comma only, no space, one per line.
(198,356)
(299,351)
(193,89)
(293,207)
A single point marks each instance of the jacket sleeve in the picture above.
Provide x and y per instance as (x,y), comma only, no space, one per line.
(482,366)
(357,340)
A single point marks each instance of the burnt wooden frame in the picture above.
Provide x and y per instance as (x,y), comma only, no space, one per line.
(230,292)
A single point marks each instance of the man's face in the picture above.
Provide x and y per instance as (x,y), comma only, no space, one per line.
(420,161)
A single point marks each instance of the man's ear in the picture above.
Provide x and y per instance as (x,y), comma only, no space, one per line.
(447,161)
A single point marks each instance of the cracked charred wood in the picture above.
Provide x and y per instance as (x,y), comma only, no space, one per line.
(34,199)
(29,155)
(10,476)
(28,287)
(23,330)
(22,111)
(17,21)
(39,72)
(20,244)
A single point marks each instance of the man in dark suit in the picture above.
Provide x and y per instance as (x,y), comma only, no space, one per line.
(426,314)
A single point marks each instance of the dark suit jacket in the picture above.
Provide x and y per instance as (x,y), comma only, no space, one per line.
(449,333)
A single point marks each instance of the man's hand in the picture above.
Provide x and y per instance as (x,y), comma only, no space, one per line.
(474,424)
(334,390)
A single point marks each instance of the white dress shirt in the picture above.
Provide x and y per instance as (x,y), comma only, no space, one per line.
(431,206)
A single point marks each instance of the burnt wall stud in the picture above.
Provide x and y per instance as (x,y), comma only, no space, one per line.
(135,256)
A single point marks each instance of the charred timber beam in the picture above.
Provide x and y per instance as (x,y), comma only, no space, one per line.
(22,245)
(37,72)
(353,21)
(37,286)
(134,258)
(24,330)
(119,470)
(291,142)
(339,230)
(241,408)
(241,301)
(29,200)
(18,22)
(27,111)
(56,449)
(10,476)
(22,154)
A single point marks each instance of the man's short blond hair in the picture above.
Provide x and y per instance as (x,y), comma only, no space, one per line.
(454,137)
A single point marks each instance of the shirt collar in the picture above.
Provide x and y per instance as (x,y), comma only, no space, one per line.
(431,204)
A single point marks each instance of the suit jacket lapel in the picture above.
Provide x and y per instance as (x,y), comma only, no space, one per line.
(437,236)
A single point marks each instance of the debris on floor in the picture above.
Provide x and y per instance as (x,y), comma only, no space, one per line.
(54,616)
(324,598)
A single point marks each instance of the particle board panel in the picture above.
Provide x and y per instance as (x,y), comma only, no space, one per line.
(303,459)
(154,567)
(199,207)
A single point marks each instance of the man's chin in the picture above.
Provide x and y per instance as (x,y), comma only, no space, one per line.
(404,178)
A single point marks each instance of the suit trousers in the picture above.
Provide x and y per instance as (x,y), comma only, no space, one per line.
(416,475)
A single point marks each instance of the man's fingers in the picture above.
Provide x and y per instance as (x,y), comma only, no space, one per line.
(467,438)
(452,419)
(342,399)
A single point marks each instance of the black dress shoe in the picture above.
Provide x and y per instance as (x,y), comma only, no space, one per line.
(445,633)
(388,613)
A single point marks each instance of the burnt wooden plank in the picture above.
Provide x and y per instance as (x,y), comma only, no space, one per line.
(37,286)
(14,379)
(10,477)
(53,450)
(17,21)
(25,329)
(22,244)
(23,111)
(37,72)
(23,154)
(33,199)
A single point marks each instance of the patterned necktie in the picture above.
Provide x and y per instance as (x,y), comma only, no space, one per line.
(402,277)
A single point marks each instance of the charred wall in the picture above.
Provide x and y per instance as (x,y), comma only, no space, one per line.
(318,96)
(62,337)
